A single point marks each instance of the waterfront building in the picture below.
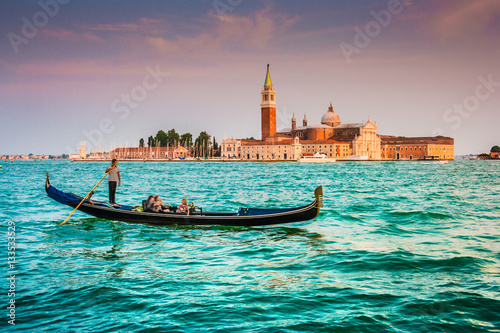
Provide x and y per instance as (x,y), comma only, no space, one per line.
(268,109)
(361,137)
(414,148)
(283,149)
(99,156)
(144,153)
(82,152)
(331,137)
(230,148)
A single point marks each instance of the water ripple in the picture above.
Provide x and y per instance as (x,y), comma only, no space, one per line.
(398,247)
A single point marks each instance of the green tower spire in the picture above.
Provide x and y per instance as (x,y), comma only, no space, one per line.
(268,78)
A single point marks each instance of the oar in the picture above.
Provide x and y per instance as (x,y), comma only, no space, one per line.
(86,197)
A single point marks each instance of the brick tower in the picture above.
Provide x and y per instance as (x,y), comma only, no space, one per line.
(268,108)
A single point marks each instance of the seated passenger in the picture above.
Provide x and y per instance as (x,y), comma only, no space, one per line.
(159,206)
(150,203)
(183,207)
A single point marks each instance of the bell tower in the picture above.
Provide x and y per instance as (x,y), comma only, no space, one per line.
(268,108)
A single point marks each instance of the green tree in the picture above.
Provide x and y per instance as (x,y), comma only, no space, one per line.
(215,148)
(495,149)
(141,142)
(162,138)
(151,142)
(187,139)
(201,144)
(172,137)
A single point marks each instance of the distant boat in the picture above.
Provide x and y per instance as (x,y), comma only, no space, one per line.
(356,158)
(316,158)
(429,158)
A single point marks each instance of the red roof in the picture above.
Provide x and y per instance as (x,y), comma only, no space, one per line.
(391,139)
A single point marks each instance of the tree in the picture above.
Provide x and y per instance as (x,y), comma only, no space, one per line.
(215,148)
(495,149)
(187,140)
(162,138)
(151,141)
(201,144)
(483,156)
(172,137)
(141,142)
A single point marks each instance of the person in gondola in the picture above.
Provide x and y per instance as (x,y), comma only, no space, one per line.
(150,203)
(160,207)
(113,177)
(183,207)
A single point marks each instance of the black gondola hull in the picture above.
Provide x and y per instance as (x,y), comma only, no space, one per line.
(308,213)
(264,217)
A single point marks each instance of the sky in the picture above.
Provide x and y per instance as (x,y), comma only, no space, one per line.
(112,72)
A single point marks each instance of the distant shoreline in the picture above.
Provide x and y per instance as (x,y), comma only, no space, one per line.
(215,160)
(231,160)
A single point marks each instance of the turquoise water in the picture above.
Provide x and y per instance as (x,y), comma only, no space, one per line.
(398,247)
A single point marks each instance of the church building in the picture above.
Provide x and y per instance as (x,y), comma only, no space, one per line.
(356,141)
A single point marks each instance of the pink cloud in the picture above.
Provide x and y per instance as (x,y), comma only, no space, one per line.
(144,25)
(89,69)
(254,32)
(467,18)
(70,36)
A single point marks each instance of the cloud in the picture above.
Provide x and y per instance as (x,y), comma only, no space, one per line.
(70,36)
(55,78)
(254,32)
(161,44)
(144,25)
(479,18)
(77,69)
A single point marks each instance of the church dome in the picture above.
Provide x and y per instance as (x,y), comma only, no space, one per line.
(330,117)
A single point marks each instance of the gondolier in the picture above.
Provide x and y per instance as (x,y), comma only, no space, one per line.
(113,177)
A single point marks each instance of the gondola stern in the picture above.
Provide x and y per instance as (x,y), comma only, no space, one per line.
(318,194)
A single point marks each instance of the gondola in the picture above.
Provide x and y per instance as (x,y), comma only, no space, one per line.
(244,216)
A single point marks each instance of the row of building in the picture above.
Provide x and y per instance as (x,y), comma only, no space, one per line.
(29,157)
(331,137)
(134,153)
